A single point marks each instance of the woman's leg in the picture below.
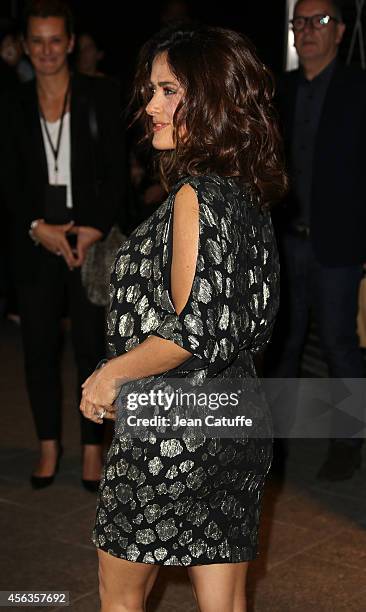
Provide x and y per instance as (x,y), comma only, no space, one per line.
(124,586)
(40,306)
(46,466)
(92,458)
(219,587)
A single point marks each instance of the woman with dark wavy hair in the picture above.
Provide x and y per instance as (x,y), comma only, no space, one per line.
(194,294)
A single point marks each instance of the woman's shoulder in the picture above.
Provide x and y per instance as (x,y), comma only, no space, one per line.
(214,186)
(221,195)
(205,179)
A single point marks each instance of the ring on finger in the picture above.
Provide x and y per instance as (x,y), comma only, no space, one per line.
(101,414)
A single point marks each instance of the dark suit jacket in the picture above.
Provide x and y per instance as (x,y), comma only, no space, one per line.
(97,161)
(338,204)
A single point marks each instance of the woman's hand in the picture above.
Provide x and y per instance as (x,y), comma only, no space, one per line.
(86,236)
(99,393)
(53,238)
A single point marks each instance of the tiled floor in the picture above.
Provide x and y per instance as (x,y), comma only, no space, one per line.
(313,535)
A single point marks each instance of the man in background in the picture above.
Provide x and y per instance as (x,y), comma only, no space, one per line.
(322,223)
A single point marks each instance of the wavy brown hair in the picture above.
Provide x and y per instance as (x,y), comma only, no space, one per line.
(226,113)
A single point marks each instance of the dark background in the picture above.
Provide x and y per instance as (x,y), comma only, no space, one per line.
(138,20)
(122,26)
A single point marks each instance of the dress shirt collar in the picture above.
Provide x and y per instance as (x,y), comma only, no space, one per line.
(324,75)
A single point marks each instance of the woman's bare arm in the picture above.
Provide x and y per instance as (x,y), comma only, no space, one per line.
(155,355)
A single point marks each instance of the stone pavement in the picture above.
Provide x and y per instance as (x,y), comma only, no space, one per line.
(313,535)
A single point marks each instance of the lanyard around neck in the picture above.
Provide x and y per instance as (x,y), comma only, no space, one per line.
(55,149)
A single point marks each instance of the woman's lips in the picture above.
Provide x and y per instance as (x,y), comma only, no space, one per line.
(159,126)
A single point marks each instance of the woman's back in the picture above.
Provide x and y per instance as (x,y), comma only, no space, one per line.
(234,295)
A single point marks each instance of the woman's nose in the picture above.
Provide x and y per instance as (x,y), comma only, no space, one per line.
(46,48)
(152,108)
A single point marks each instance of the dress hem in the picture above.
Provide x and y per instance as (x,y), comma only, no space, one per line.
(213,562)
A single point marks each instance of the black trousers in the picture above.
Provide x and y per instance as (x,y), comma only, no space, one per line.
(332,295)
(41,306)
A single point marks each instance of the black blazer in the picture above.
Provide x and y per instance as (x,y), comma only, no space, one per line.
(338,203)
(97,161)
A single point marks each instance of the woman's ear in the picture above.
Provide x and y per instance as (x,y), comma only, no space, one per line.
(71,44)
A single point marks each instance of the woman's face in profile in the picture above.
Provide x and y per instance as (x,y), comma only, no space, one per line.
(166,93)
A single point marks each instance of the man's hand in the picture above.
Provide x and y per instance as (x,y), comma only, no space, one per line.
(53,238)
(86,236)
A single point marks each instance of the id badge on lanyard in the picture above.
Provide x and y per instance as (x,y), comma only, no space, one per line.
(55,196)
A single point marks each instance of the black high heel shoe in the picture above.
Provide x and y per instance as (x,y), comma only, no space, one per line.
(41,482)
(90,485)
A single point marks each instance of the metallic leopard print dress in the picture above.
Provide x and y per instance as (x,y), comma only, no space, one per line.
(193,500)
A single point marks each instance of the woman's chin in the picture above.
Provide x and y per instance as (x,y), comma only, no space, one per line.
(162,144)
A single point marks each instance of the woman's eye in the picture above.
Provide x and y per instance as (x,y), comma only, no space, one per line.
(166,90)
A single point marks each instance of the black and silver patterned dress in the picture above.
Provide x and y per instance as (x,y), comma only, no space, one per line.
(192,500)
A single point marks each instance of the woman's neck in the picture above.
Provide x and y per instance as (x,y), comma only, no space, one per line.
(51,87)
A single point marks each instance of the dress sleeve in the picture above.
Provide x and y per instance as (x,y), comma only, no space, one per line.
(207,327)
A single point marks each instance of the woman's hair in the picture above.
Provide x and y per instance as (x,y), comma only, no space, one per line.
(48,8)
(226,114)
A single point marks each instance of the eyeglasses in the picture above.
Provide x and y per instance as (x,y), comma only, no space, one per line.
(318,22)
